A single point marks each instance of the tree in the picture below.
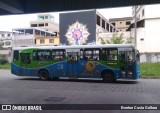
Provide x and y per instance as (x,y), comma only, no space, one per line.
(116,39)
(129,40)
(1,46)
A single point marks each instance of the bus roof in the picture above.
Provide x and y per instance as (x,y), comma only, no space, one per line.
(77,46)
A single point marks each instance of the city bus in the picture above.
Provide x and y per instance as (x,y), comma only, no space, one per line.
(107,62)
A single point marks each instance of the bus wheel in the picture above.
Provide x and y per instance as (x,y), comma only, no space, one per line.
(108,77)
(44,75)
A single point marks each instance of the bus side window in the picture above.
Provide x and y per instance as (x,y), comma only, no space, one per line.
(43,55)
(96,53)
(112,54)
(81,54)
(15,55)
(104,55)
(58,55)
(34,55)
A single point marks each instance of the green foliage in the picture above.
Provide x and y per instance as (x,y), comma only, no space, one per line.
(116,39)
(150,69)
(3,61)
(5,66)
(102,40)
(129,41)
(1,46)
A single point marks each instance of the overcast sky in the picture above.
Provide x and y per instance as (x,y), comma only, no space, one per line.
(7,23)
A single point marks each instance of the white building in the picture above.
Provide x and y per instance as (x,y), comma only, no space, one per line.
(6,39)
(148,31)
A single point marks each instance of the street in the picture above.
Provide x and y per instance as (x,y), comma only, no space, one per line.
(28,90)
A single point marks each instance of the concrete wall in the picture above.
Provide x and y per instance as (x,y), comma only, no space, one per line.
(150,57)
(23,40)
(152,11)
(152,35)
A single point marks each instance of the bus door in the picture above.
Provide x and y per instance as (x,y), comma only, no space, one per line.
(25,61)
(72,64)
(126,64)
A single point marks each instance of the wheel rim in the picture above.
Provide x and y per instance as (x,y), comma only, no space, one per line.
(107,76)
(43,75)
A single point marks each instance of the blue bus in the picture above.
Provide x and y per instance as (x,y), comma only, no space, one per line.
(109,62)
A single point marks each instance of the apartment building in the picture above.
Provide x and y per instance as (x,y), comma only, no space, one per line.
(121,24)
(148,31)
(46,22)
(33,36)
(6,39)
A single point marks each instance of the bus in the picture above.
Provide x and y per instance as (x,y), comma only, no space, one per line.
(107,62)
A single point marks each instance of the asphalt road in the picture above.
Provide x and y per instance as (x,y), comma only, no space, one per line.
(28,90)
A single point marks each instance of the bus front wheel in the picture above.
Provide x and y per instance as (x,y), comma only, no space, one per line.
(43,75)
(108,77)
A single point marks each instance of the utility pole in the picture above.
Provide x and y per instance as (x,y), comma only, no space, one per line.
(135,25)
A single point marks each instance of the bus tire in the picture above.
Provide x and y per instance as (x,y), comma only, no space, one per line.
(43,75)
(108,77)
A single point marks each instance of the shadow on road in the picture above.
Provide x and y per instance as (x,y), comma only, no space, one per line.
(83,80)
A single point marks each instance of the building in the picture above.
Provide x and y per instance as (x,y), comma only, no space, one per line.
(46,41)
(147,31)
(33,36)
(103,25)
(6,39)
(121,24)
(83,27)
(46,22)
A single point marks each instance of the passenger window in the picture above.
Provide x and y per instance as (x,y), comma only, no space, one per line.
(91,54)
(34,55)
(43,55)
(112,54)
(15,55)
(58,54)
(109,54)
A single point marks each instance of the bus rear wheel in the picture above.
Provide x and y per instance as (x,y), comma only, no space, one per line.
(43,75)
(108,77)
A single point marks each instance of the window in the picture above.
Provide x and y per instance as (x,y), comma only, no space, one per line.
(43,55)
(120,22)
(8,35)
(41,18)
(41,41)
(91,54)
(98,20)
(34,55)
(15,55)
(109,54)
(142,12)
(103,24)
(41,25)
(3,35)
(46,24)
(128,23)
(46,17)
(7,43)
(51,40)
(114,24)
(81,54)
(33,25)
(58,54)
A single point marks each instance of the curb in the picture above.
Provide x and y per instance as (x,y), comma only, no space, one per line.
(150,77)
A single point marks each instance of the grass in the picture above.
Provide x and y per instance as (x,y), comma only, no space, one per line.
(147,69)
(150,69)
(5,66)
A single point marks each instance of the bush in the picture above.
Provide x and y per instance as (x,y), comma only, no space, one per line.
(3,61)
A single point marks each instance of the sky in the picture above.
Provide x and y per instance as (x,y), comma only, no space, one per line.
(7,23)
